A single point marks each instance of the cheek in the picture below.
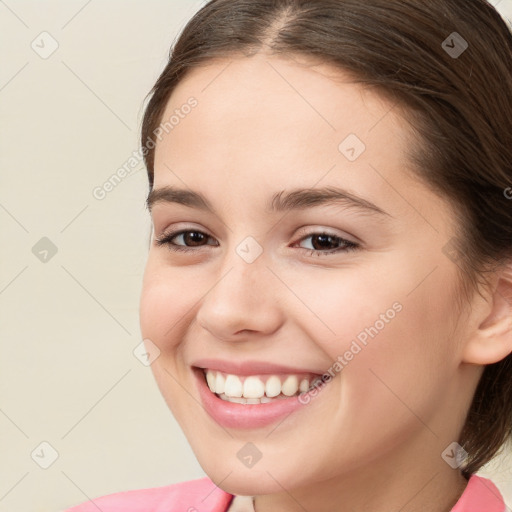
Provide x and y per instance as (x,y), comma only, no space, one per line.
(348,312)
(403,371)
(165,309)
(166,304)
(388,340)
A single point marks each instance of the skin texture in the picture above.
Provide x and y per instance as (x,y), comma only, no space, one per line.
(372,440)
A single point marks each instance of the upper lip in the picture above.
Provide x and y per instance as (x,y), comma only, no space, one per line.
(250,367)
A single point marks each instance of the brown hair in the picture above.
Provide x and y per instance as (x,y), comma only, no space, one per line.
(459,107)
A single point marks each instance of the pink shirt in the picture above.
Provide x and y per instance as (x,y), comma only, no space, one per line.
(202,495)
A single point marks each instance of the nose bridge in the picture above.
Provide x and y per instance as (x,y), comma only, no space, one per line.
(240,297)
(243,278)
(244,268)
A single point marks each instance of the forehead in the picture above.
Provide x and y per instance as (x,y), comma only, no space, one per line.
(275,92)
(281,122)
(277,102)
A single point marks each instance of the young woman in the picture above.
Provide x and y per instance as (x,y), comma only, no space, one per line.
(328,294)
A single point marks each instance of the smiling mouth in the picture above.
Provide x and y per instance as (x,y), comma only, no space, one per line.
(258,389)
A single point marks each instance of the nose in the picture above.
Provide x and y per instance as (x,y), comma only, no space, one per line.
(241,302)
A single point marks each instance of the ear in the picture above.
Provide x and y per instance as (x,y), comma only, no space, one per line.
(491,340)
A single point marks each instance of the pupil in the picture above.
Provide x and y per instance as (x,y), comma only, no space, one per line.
(193,237)
(324,241)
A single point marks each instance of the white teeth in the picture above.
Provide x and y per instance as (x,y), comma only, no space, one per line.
(237,399)
(233,386)
(273,386)
(252,389)
(219,383)
(252,401)
(290,385)
(210,379)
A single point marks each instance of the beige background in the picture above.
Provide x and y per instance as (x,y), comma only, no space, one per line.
(68,328)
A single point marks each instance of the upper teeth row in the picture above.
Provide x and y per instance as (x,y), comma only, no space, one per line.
(254,387)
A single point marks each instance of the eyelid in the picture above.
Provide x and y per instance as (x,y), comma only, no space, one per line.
(173,233)
(316,229)
(177,227)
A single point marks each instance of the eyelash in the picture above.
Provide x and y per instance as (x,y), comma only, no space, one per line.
(166,239)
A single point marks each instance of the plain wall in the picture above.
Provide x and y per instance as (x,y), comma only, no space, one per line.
(69,316)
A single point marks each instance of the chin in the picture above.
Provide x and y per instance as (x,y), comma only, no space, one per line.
(248,484)
(236,479)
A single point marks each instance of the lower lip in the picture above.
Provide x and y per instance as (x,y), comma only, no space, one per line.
(233,415)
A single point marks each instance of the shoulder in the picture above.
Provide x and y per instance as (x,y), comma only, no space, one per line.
(200,495)
(480,494)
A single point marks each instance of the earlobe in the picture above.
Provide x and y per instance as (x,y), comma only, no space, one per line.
(492,340)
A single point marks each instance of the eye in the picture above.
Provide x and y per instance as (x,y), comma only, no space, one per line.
(193,237)
(321,243)
(325,243)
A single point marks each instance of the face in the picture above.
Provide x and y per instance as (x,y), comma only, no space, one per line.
(254,282)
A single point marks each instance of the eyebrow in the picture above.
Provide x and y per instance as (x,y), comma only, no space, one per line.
(284,201)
